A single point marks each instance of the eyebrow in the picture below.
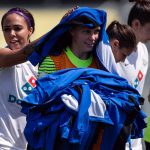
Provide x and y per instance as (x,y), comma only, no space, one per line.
(98,29)
(12,25)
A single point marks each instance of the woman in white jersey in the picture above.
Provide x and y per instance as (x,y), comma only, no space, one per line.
(122,40)
(16,81)
(134,69)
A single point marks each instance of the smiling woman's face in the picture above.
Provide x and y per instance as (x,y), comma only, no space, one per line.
(16,31)
(84,39)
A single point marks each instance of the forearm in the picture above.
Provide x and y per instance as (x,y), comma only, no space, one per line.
(12,57)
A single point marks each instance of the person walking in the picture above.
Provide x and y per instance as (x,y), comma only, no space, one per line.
(16,81)
(135,66)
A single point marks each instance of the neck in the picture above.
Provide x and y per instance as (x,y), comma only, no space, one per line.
(81,54)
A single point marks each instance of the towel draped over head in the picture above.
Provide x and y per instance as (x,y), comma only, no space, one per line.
(50,43)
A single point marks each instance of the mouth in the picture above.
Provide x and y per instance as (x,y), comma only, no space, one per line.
(90,45)
(14,44)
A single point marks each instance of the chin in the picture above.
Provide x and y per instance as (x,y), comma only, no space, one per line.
(16,48)
(89,49)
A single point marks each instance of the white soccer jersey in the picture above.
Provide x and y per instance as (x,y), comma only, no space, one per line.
(135,67)
(15,83)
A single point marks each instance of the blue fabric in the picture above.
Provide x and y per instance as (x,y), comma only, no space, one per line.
(47,116)
(44,47)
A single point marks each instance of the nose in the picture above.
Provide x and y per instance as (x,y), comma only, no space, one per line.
(123,58)
(12,33)
(92,36)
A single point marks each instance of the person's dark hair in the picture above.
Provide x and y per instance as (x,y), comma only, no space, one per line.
(22,12)
(123,33)
(69,12)
(83,21)
(140,10)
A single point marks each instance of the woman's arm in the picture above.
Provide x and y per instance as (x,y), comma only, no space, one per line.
(10,57)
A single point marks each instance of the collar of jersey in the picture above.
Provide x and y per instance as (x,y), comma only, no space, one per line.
(76,61)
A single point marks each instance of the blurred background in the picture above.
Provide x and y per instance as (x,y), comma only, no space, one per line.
(47,14)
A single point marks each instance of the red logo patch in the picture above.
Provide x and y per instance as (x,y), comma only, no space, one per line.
(32,81)
(140,75)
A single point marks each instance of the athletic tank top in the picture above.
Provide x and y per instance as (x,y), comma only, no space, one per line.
(65,60)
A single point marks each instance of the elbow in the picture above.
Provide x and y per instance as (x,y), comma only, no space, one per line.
(3,63)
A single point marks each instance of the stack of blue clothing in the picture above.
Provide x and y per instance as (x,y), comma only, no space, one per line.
(52,125)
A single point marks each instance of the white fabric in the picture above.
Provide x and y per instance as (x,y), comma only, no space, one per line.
(96,109)
(136,144)
(70,101)
(134,69)
(104,53)
(15,82)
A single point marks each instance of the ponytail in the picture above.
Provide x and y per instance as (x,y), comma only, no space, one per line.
(123,33)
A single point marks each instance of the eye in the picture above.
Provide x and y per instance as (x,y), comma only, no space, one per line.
(14,28)
(17,28)
(5,29)
(87,31)
(97,31)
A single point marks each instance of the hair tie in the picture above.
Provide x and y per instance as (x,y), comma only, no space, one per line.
(21,14)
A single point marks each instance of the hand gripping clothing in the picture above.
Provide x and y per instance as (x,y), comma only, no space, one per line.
(50,44)
(51,124)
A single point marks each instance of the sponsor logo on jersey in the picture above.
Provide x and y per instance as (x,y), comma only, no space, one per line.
(27,87)
(138,79)
(13,99)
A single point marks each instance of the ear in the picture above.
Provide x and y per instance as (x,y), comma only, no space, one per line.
(136,24)
(114,44)
(30,31)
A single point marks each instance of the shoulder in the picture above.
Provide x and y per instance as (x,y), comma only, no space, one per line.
(141,48)
(28,67)
(143,51)
(140,52)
